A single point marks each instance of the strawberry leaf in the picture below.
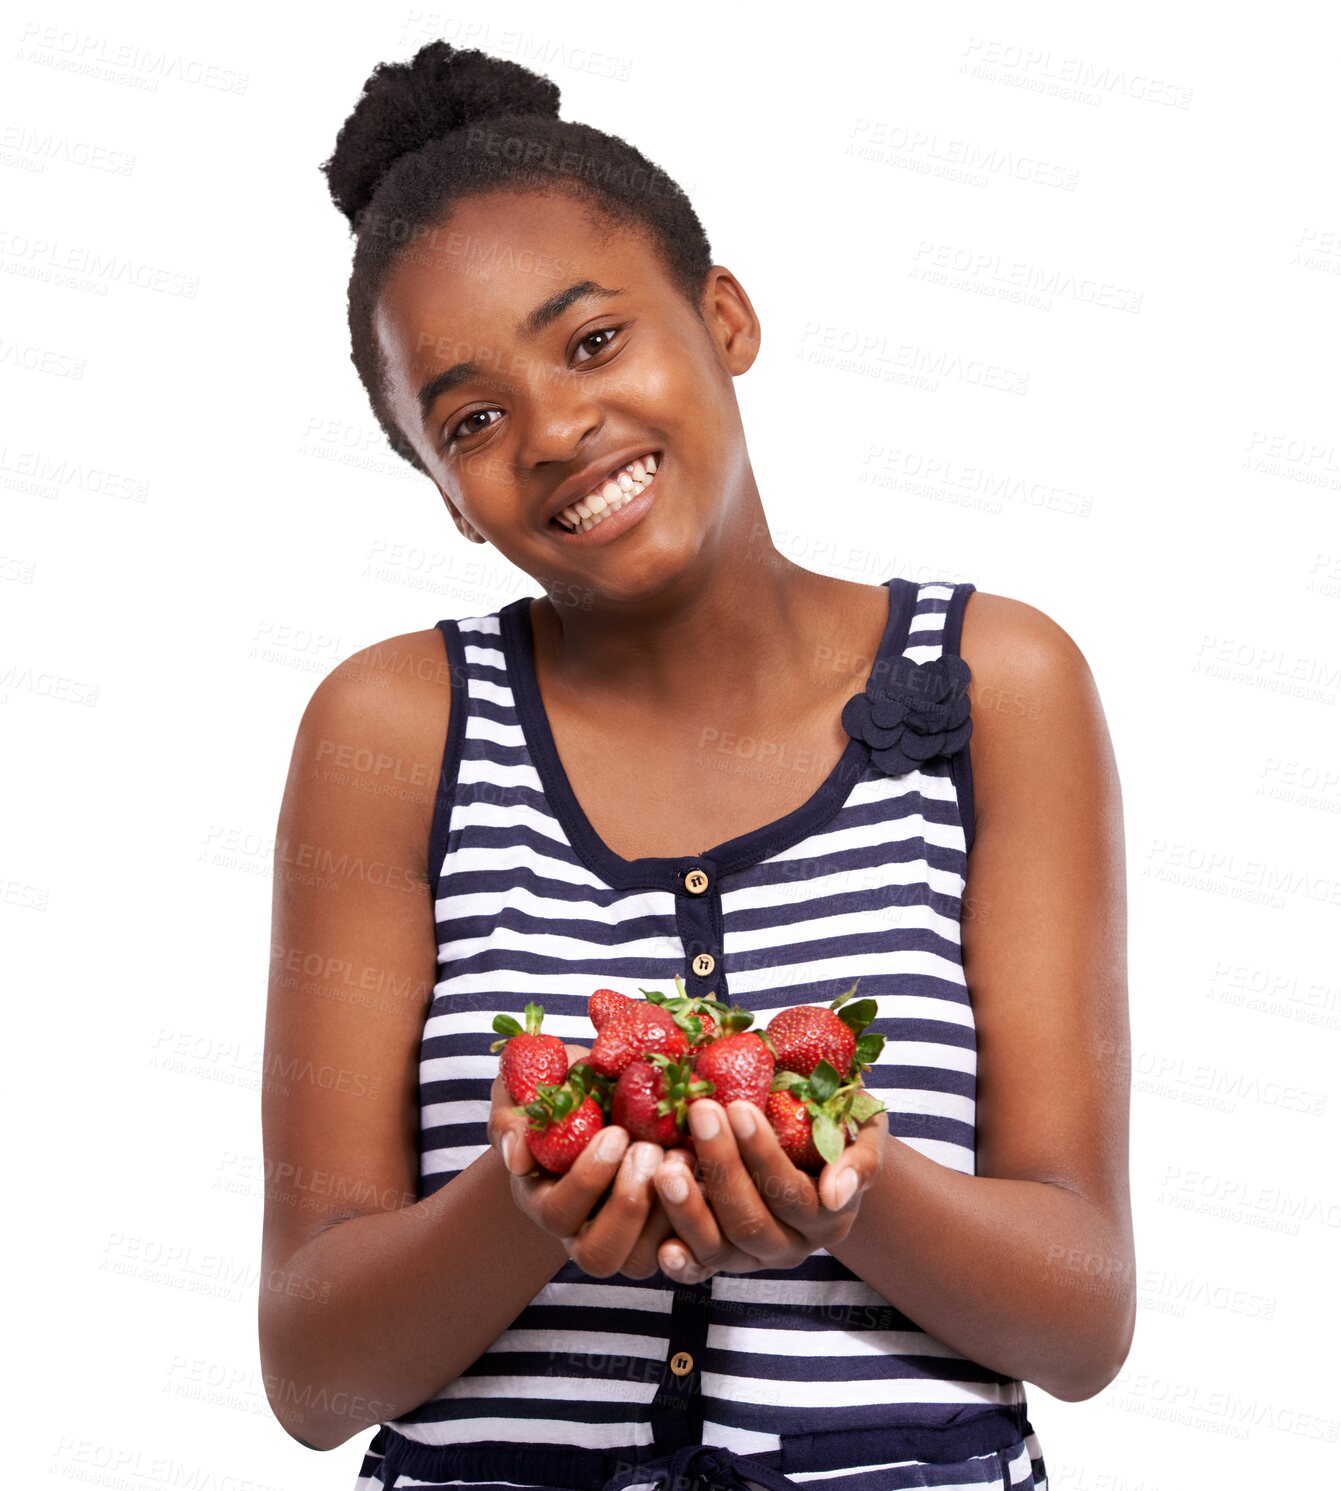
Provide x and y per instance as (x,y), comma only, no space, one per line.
(869,1046)
(864,1105)
(828,1137)
(858,1016)
(824,1081)
(844,996)
(505,1025)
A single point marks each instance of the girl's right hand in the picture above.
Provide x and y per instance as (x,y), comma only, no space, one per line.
(623,1235)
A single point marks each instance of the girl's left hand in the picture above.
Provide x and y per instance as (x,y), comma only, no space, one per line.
(754,1208)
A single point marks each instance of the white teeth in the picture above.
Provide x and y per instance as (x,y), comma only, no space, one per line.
(613,494)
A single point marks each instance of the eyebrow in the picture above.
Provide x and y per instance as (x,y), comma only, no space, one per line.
(528,328)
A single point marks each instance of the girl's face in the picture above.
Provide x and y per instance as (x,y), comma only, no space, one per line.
(527,344)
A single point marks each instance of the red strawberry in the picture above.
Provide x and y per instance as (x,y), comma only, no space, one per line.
(714,1018)
(737,1066)
(604,1002)
(561,1121)
(807,1034)
(627,1035)
(790,1121)
(529,1058)
(601,1088)
(651,1098)
(816,1117)
(706,1024)
(557,1145)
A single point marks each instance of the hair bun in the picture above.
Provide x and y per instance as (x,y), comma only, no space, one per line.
(405,105)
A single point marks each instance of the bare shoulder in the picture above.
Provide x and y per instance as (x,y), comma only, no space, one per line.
(1010,639)
(377,725)
(1035,702)
(414,665)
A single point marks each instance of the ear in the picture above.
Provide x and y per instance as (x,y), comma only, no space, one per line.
(730,320)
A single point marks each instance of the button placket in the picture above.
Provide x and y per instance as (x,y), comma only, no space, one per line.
(677,1409)
(698,909)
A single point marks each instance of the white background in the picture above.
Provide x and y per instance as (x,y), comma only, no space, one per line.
(202,519)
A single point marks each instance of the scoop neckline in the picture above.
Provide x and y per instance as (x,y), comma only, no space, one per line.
(667,871)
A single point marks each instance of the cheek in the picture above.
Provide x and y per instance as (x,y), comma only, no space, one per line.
(668,383)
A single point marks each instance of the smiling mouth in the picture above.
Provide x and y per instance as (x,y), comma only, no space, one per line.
(617,491)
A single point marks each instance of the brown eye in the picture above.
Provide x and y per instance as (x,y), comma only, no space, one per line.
(605,331)
(461,425)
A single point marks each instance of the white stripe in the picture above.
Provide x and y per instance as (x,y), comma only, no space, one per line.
(531,1430)
(581,1343)
(799,1345)
(841,924)
(615,1296)
(855,1392)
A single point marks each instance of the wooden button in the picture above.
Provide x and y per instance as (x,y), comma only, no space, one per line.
(704,964)
(681,1363)
(696,882)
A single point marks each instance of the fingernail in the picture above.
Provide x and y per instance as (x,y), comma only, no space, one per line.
(675,1189)
(675,1262)
(646,1161)
(508,1141)
(703,1121)
(611,1145)
(847,1184)
(742,1119)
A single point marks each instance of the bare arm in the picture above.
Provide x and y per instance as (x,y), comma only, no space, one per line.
(1028,1266)
(373,1301)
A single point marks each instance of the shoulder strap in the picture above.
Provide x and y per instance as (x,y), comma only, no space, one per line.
(938,615)
(459,675)
(961,763)
(934,628)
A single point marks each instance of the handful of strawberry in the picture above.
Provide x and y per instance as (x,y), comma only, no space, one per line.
(654,1057)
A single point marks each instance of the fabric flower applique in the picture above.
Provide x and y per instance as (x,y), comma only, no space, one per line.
(914,712)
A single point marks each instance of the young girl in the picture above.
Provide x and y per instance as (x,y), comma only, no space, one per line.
(686,756)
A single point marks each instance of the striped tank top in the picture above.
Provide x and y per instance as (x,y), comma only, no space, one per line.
(794,1375)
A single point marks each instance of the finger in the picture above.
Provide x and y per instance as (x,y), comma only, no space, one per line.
(861,1159)
(562,1205)
(508,1130)
(678,1262)
(642,1260)
(788,1191)
(676,1258)
(691,1217)
(602,1244)
(740,1213)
